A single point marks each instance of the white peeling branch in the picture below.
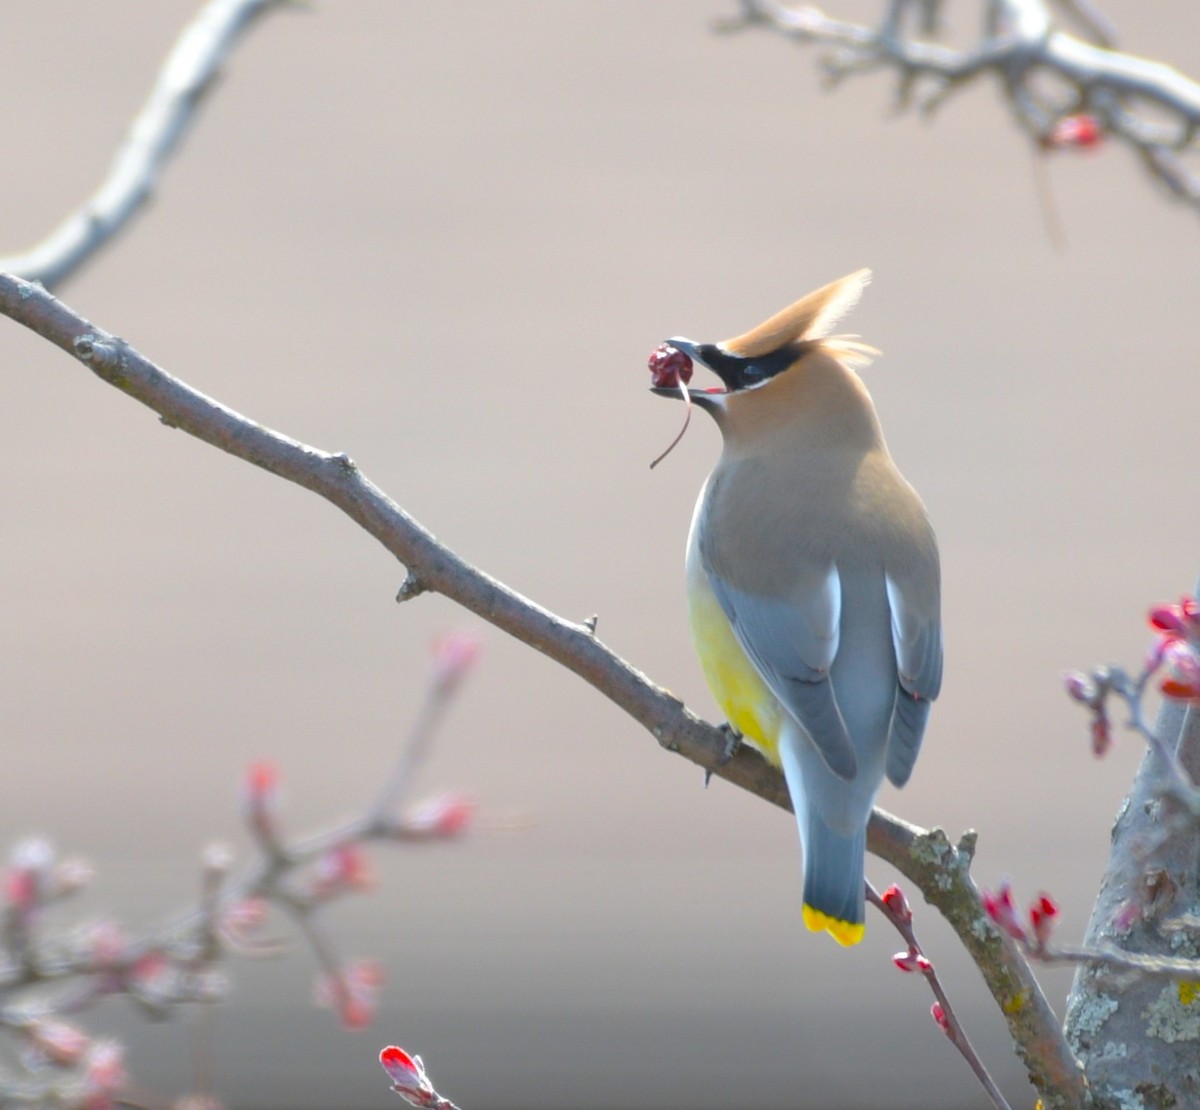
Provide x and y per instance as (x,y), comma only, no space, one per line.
(189,72)
(1020,43)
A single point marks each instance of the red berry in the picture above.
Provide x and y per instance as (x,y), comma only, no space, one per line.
(1079,130)
(669,366)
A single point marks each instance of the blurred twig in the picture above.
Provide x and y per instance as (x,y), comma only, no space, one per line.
(49,974)
(189,72)
(1019,43)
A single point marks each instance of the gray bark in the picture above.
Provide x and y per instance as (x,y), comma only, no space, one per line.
(1138,1035)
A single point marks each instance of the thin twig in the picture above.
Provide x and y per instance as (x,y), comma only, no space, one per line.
(1164,966)
(902,922)
(188,73)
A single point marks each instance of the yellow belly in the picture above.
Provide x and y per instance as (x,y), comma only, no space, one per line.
(743,697)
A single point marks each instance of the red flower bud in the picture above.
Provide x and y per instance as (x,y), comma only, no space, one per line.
(913,961)
(408,1076)
(1184,666)
(1041,917)
(939,1015)
(895,901)
(1001,909)
(262,799)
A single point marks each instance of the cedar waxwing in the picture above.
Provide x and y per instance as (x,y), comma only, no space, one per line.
(813,584)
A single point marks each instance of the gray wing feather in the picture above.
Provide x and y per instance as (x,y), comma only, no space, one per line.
(793,645)
(917,638)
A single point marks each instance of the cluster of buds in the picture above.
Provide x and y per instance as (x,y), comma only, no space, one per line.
(1176,649)
(181,965)
(1177,632)
(1076,132)
(1041,916)
(913,959)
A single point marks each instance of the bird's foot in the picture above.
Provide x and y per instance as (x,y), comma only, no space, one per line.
(733,741)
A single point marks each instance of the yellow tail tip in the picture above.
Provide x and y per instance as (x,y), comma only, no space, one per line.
(845,933)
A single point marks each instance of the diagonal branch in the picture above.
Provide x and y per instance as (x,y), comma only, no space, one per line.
(188,73)
(927,858)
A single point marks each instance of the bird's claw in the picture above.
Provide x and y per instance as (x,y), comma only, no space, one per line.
(733,741)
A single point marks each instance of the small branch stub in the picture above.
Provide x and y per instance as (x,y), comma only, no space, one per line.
(98,353)
(411,587)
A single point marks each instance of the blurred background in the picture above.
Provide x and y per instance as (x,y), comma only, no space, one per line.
(444,238)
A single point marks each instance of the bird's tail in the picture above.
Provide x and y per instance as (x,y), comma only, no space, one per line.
(834,887)
(834,881)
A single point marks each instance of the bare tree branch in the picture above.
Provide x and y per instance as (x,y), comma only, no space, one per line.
(189,72)
(1021,44)
(938,868)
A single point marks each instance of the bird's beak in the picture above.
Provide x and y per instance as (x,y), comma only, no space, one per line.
(705,398)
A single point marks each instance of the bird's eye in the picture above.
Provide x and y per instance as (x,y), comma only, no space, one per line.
(751,374)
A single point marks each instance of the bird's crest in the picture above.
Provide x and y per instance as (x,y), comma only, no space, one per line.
(810,319)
